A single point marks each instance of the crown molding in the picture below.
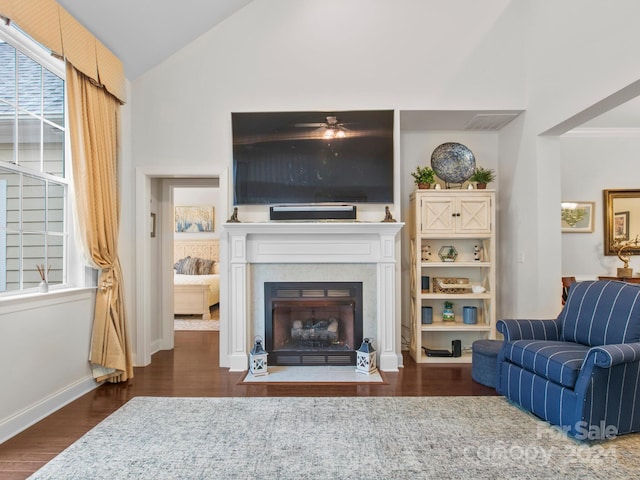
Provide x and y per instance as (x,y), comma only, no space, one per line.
(628,132)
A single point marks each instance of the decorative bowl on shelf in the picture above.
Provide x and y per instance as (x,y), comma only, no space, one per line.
(453,162)
(478,289)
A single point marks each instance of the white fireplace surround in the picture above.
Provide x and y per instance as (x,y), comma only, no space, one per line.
(342,243)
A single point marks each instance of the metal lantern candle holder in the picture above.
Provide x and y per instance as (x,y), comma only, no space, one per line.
(258,359)
(366,358)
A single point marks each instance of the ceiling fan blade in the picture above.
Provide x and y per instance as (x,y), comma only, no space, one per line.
(310,125)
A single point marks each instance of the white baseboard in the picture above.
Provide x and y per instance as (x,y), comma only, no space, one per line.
(11,426)
(156,346)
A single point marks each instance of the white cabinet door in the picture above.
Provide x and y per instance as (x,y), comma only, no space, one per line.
(473,214)
(455,214)
(437,215)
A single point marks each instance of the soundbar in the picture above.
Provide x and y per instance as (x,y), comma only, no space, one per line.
(312,212)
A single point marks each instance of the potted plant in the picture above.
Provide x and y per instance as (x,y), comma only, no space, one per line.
(482,176)
(423,176)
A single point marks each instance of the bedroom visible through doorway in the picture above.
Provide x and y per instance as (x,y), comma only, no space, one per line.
(196,261)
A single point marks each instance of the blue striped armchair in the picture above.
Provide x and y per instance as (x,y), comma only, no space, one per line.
(580,371)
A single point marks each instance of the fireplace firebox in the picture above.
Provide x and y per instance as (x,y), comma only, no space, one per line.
(313,323)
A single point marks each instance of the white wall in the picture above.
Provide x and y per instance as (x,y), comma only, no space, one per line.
(573,61)
(300,55)
(372,55)
(127,233)
(44,350)
(589,166)
(578,54)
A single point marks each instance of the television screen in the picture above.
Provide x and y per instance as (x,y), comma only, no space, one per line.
(312,157)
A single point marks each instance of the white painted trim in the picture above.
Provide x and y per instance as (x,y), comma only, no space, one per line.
(36,412)
(166,234)
(157,345)
(308,243)
(144,344)
(32,301)
(142,356)
(630,132)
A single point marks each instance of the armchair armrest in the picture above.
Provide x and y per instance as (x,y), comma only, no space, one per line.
(607,356)
(529,329)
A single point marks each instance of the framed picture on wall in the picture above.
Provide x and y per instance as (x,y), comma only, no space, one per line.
(197,219)
(577,217)
(621,226)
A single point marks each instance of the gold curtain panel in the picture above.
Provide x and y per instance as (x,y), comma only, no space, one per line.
(94,125)
(52,26)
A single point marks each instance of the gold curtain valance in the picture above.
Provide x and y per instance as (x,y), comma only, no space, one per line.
(6,9)
(51,25)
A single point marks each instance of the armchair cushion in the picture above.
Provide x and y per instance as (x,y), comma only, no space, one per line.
(601,313)
(559,362)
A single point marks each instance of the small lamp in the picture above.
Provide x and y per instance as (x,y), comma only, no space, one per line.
(258,359)
(366,358)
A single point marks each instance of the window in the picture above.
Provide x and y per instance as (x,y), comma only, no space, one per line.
(33,187)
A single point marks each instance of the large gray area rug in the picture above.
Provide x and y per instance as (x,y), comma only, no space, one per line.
(335,438)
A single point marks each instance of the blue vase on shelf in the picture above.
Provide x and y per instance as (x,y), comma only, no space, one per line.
(470,315)
(427,315)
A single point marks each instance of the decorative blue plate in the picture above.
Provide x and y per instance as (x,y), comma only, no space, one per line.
(453,162)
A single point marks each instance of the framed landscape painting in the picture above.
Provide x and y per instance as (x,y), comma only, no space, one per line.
(196,219)
(577,217)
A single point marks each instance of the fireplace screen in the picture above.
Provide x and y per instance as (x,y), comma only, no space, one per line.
(310,323)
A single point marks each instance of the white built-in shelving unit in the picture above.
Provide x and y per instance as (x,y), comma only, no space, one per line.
(464,220)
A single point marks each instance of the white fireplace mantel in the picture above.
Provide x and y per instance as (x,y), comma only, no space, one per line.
(308,243)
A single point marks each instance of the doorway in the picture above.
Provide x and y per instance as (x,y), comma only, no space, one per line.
(166,195)
(196,257)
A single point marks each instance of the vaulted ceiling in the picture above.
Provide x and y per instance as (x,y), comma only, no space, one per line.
(143,33)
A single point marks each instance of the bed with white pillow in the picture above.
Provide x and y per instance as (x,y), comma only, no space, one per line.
(196,284)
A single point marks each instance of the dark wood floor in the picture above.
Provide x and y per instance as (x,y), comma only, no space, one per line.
(192,370)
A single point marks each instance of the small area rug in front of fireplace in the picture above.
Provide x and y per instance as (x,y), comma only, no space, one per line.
(311,438)
(315,374)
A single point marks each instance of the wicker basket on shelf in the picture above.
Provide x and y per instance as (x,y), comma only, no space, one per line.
(451,285)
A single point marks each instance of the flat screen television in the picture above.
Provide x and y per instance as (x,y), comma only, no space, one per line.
(313,157)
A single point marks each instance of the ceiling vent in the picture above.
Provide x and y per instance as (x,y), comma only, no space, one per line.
(489,121)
